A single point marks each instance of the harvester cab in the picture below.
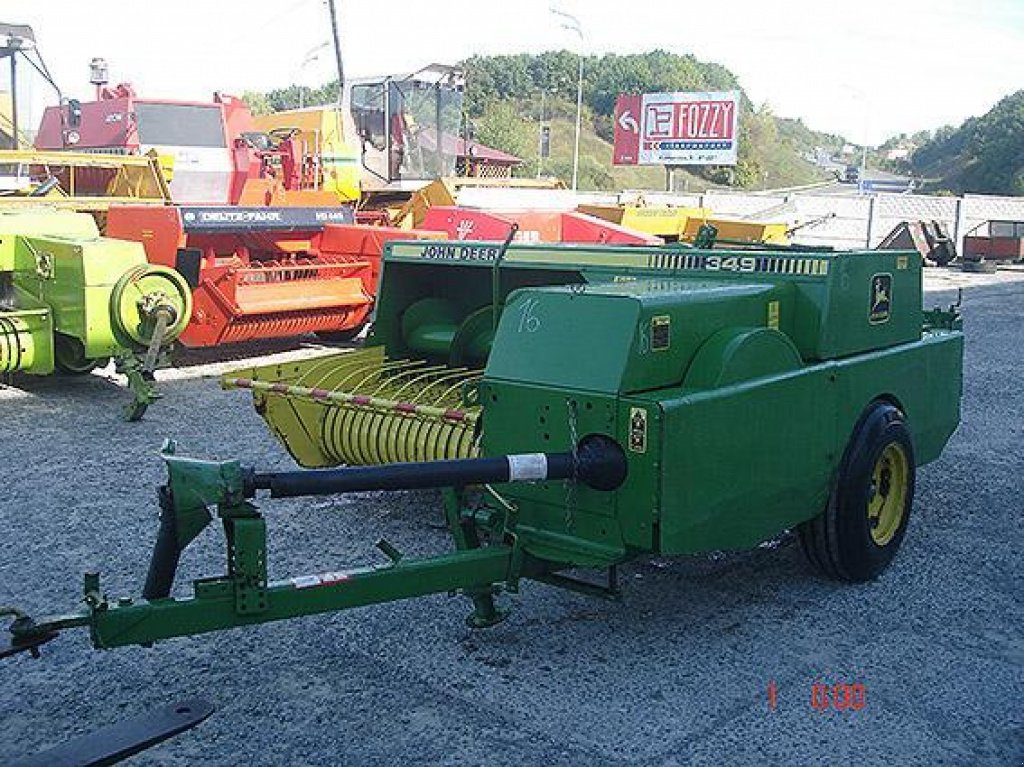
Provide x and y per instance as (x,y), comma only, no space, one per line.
(392,134)
(209,151)
(193,139)
(407,126)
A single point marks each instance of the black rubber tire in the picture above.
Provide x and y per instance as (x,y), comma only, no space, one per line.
(69,356)
(943,256)
(839,542)
(340,336)
(983,266)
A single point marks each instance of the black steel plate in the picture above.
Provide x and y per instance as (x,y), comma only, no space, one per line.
(110,745)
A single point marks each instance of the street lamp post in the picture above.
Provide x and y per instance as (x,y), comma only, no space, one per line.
(572,23)
(311,55)
(579,114)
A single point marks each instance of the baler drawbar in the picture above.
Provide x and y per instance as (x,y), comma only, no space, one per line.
(244,596)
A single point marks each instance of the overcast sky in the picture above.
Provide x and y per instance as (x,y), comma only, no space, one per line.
(869,68)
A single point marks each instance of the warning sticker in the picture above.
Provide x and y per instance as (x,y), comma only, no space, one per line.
(638,430)
(661,332)
(773,315)
(323,579)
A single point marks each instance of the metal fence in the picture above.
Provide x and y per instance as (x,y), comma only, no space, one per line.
(851,220)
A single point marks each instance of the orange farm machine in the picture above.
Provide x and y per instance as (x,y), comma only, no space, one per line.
(259,273)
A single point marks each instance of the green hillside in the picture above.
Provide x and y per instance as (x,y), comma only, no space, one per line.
(985,155)
(505,94)
(503,99)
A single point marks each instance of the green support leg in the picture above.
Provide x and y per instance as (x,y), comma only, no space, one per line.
(485,613)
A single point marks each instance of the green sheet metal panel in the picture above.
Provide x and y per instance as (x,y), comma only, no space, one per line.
(838,309)
(743,462)
(75,277)
(522,417)
(622,337)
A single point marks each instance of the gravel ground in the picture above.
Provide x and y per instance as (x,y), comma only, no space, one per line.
(677,674)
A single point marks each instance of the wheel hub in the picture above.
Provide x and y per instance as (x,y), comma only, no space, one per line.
(887,501)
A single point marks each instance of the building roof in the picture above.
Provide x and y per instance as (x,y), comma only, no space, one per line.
(456,145)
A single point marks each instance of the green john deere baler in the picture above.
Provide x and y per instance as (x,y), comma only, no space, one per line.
(71,299)
(584,406)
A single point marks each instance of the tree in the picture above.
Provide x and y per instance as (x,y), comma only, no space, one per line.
(257,102)
(984,155)
(503,127)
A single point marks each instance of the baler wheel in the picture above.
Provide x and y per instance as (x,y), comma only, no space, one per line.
(859,532)
(978,266)
(69,356)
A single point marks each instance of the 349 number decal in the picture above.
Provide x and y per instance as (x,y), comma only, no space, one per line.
(730,263)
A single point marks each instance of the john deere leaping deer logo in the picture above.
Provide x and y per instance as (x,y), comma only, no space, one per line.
(881,299)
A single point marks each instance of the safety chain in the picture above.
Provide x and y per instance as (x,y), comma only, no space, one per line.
(570,484)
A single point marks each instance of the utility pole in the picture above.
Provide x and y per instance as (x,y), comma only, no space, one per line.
(337,51)
(540,131)
(14,101)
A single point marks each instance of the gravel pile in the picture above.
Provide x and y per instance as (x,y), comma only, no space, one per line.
(677,674)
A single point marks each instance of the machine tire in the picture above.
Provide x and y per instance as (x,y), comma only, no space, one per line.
(340,336)
(857,535)
(979,266)
(69,356)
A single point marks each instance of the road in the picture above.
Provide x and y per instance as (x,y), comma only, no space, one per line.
(889,182)
(679,673)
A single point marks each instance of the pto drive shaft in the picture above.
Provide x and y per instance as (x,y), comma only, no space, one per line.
(597,462)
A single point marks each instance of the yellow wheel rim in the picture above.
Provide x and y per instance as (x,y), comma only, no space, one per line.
(888,497)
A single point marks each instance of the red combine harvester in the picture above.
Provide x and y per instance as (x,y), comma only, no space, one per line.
(264,272)
(534,226)
(267,253)
(210,150)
